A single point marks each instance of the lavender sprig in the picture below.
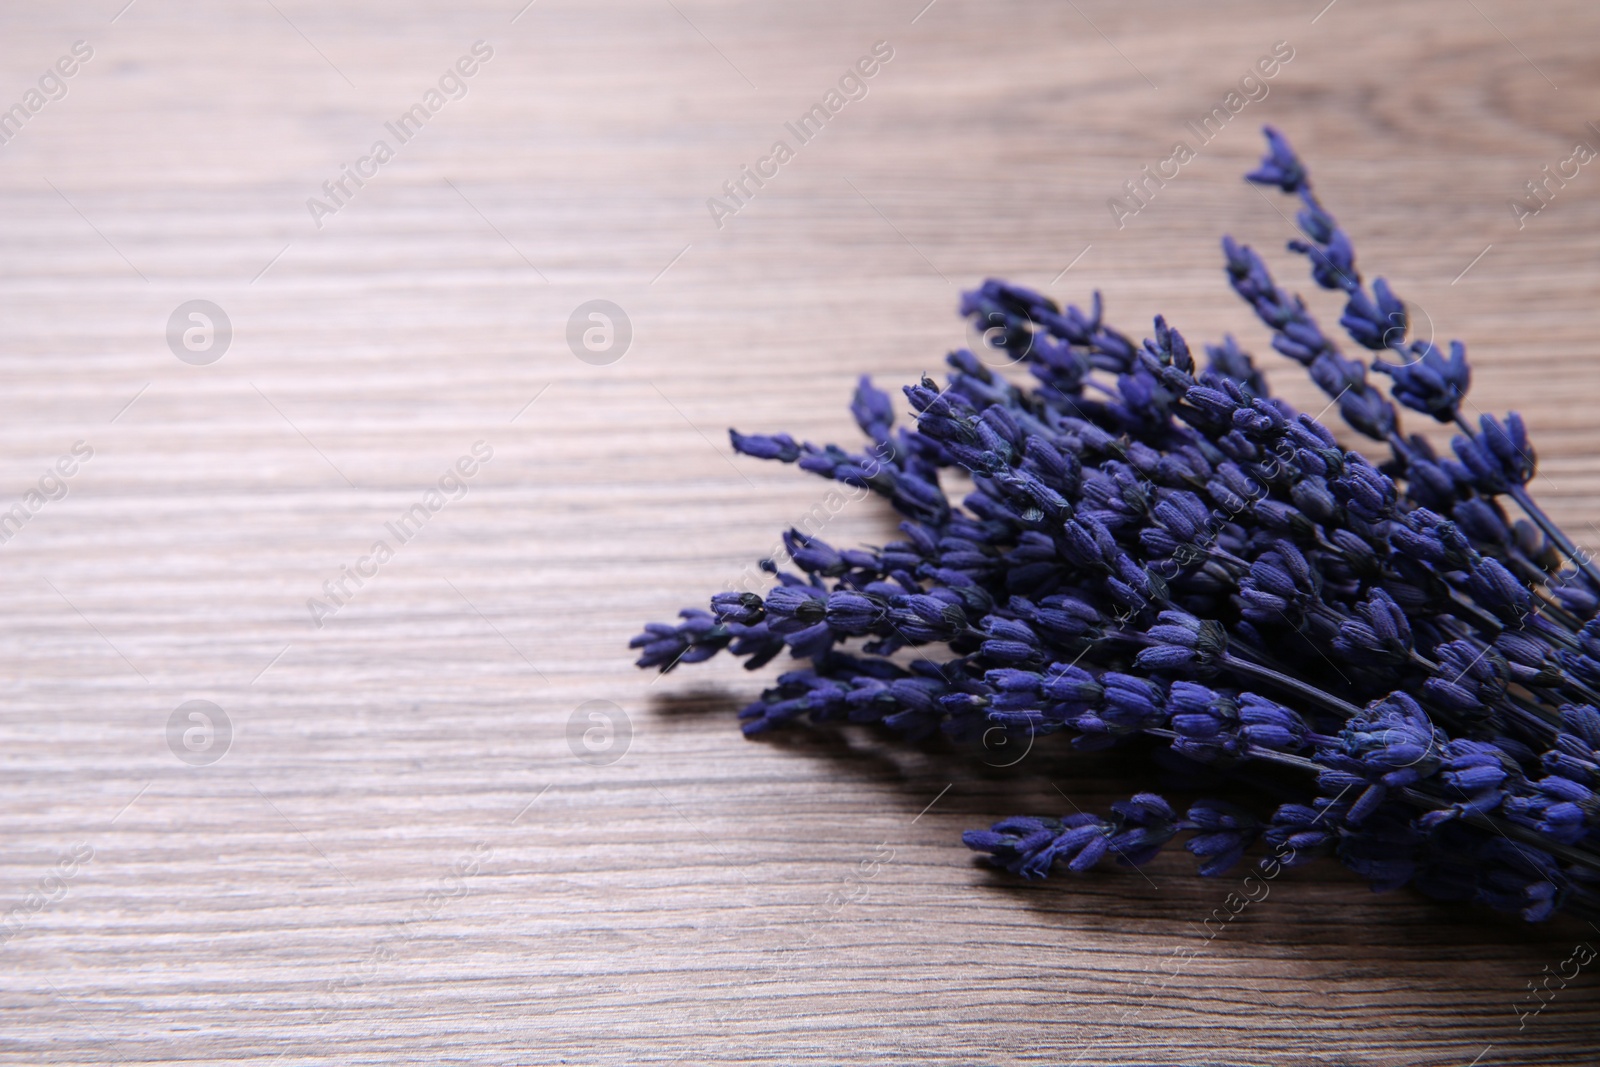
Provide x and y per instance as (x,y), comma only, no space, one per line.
(1497,454)
(1161,556)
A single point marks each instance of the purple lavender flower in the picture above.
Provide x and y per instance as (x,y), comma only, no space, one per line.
(1372,658)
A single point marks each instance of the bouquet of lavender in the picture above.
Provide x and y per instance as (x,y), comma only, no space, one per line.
(1166,557)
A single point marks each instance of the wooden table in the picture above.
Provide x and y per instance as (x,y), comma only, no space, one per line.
(400,857)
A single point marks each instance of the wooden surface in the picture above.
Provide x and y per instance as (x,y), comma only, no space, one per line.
(400,859)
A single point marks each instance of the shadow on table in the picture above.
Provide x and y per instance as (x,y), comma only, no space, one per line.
(1306,910)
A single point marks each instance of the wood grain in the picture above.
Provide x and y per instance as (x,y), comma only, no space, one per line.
(400,859)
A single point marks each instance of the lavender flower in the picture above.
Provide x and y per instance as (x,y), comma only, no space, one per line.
(1163,557)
